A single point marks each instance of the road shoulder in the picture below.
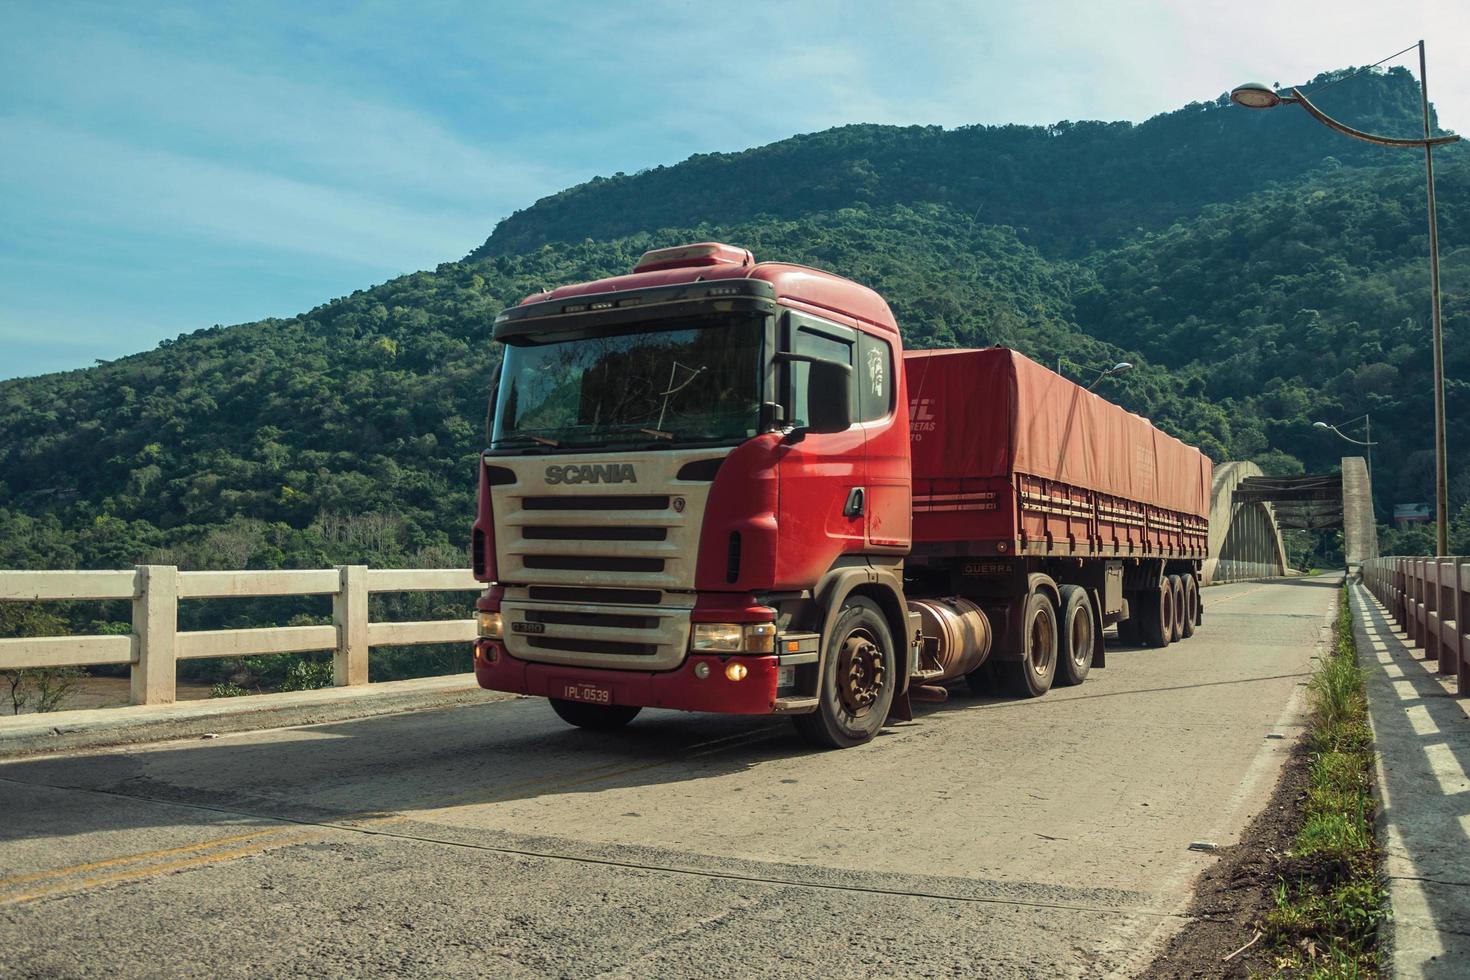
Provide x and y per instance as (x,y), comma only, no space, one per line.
(64,731)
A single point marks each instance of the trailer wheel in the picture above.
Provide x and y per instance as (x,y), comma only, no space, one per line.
(1032,676)
(1176,589)
(1075,633)
(859,675)
(1191,606)
(1156,619)
(594,717)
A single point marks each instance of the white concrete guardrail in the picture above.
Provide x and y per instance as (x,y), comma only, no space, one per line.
(156,644)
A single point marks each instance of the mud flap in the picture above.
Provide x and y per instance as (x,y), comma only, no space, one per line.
(900,709)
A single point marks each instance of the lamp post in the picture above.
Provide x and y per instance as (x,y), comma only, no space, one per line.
(1120,368)
(1366,441)
(1254,95)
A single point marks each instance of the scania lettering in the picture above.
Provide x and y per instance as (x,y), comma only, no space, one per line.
(721,485)
(591,473)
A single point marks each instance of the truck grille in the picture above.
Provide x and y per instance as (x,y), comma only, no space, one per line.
(582,539)
(600,579)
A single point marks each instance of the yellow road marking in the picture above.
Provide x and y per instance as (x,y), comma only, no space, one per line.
(133,874)
(133,858)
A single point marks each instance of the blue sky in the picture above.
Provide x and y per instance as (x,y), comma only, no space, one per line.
(167,167)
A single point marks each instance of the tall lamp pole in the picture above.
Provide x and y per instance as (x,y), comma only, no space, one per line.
(1254,95)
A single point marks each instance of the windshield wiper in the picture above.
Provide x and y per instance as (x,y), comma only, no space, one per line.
(658,434)
(526,437)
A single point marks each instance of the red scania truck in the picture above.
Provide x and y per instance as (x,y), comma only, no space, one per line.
(722,485)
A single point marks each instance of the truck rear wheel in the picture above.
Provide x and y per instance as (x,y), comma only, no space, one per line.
(1176,589)
(1191,606)
(594,717)
(1032,676)
(859,676)
(1156,616)
(1075,634)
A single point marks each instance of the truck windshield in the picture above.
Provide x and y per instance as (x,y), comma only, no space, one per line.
(689,380)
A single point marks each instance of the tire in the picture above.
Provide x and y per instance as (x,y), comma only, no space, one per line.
(1176,589)
(1032,676)
(1156,617)
(859,676)
(594,717)
(1076,631)
(1191,606)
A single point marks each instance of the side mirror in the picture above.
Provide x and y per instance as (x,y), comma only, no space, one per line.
(829,399)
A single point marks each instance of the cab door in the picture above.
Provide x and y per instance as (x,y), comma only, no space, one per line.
(822,510)
(883,412)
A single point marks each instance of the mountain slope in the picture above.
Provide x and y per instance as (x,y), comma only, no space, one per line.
(1068,188)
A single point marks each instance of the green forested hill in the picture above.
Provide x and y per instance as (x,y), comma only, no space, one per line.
(1067,188)
(349,433)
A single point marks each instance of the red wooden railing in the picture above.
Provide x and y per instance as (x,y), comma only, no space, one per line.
(1430,600)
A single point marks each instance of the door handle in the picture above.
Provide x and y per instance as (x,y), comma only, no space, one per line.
(854,505)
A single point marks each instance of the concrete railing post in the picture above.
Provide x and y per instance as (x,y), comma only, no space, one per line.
(1454,654)
(155,634)
(350,614)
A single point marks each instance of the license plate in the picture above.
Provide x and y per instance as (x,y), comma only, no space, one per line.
(591,693)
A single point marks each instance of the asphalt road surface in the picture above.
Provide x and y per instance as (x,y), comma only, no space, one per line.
(988,837)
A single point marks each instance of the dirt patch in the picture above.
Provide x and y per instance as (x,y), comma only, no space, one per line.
(1232,897)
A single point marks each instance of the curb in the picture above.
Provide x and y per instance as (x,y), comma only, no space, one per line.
(64,731)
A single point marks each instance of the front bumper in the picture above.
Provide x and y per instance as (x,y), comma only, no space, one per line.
(497,670)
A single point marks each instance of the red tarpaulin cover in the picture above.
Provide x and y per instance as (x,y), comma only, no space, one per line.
(994,412)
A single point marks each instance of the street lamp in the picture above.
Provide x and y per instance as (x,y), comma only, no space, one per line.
(1120,368)
(1367,439)
(1254,95)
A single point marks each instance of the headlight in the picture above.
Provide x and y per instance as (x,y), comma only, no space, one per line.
(733,637)
(490,625)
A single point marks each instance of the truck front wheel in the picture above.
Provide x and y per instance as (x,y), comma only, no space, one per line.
(1032,676)
(859,676)
(594,717)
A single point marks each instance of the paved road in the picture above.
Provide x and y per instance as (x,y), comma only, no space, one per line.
(987,837)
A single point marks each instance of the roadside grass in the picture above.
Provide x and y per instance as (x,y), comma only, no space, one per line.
(1330,898)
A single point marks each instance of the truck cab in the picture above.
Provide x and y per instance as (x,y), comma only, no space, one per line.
(696,495)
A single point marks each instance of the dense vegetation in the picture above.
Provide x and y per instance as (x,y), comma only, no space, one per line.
(1067,188)
(1262,272)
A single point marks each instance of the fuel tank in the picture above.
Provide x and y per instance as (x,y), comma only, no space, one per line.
(956,636)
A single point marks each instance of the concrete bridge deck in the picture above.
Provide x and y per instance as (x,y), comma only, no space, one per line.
(988,836)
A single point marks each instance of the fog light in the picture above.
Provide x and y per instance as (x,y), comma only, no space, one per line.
(736,671)
(701,670)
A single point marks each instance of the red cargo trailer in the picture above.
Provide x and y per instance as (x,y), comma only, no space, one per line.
(1010,458)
